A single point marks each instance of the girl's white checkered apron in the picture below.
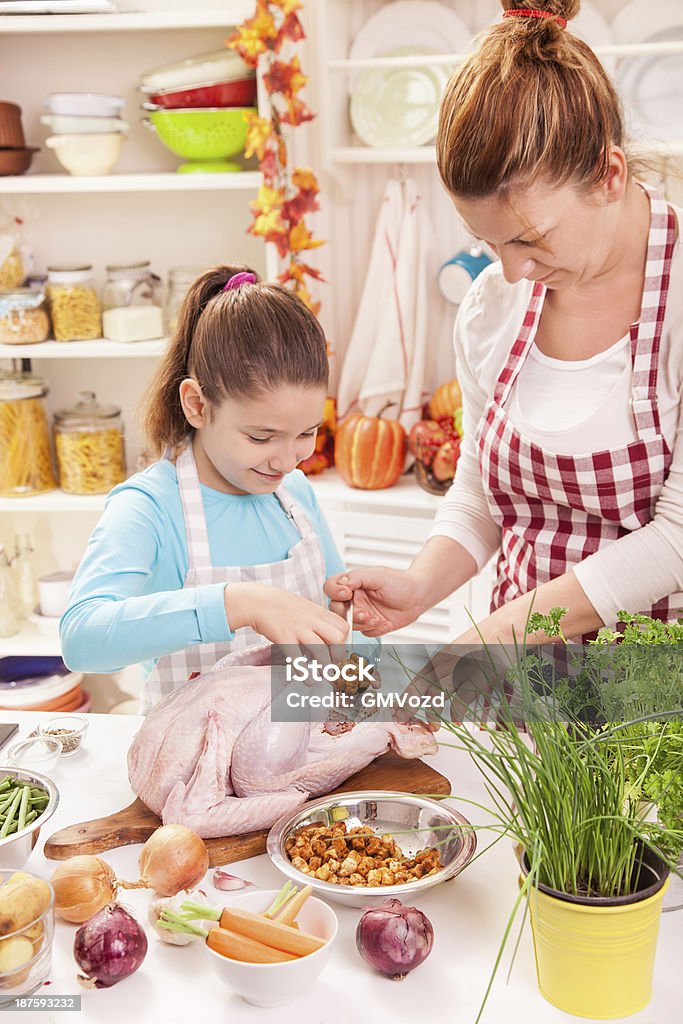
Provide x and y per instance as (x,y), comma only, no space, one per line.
(555,510)
(302,572)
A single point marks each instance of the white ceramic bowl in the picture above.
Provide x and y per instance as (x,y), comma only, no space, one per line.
(82,124)
(95,104)
(53,593)
(87,154)
(277,984)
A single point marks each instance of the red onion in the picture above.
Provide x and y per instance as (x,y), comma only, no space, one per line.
(109,947)
(394,939)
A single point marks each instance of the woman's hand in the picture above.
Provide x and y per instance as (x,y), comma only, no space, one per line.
(383,599)
(282,617)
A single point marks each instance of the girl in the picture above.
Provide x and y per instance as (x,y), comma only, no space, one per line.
(569,352)
(221,542)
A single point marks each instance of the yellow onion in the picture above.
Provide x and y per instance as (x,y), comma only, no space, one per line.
(173,858)
(82,885)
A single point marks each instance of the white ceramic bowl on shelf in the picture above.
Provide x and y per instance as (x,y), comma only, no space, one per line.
(94,104)
(82,124)
(94,154)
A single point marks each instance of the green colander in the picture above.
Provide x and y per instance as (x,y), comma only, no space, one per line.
(200,134)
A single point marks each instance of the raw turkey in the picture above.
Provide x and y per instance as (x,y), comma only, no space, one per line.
(209,757)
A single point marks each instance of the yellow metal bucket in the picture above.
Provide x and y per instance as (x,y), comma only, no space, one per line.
(595,962)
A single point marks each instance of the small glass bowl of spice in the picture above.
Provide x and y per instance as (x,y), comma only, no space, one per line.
(70,730)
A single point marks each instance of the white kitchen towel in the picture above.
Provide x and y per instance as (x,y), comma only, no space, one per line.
(387,354)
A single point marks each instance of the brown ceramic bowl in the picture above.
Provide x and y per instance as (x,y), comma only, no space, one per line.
(16,161)
(11,131)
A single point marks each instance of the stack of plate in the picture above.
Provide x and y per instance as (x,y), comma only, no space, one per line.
(399,107)
(40,684)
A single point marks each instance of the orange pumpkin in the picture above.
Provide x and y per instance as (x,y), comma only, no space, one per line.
(370,452)
(445,400)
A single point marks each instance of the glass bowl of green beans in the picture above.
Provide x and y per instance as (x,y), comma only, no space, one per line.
(28,800)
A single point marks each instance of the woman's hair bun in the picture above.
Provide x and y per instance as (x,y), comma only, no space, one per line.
(566,9)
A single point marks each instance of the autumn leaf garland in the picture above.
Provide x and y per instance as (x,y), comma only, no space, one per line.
(285,198)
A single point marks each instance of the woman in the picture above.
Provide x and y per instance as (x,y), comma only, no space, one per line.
(569,353)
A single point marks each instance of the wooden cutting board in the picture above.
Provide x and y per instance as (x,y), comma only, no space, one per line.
(135,824)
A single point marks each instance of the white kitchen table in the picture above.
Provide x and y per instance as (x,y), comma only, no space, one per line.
(176,984)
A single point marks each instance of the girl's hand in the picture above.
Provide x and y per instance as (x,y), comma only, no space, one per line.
(282,617)
(383,599)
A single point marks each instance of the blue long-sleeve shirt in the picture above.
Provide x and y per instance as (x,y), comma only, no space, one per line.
(127,604)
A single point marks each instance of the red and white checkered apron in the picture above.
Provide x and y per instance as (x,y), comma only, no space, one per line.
(555,510)
(302,572)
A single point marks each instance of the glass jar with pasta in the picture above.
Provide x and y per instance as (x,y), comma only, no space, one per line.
(89,446)
(74,304)
(25,461)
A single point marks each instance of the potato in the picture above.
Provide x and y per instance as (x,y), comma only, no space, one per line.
(17,877)
(22,902)
(14,953)
(35,934)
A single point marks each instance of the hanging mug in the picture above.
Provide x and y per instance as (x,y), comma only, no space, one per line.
(456,276)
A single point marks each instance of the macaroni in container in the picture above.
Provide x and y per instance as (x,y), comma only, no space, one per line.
(25,462)
(74,304)
(89,446)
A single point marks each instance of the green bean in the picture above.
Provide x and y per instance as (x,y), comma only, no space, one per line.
(7,778)
(5,784)
(31,816)
(23,807)
(10,814)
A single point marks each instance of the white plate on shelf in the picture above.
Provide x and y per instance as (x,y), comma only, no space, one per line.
(422,23)
(398,107)
(651,87)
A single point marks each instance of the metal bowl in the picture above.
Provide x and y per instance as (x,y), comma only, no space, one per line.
(416,823)
(16,849)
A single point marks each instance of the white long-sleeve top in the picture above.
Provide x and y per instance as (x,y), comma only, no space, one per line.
(569,408)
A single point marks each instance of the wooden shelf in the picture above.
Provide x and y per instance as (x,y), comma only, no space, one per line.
(98,349)
(43,184)
(235,12)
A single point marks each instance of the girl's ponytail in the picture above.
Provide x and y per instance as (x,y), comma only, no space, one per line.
(235,343)
(163,419)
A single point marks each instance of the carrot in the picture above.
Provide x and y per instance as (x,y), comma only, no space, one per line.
(239,947)
(292,908)
(270,933)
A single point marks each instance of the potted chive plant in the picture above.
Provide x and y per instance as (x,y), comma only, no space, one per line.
(593,869)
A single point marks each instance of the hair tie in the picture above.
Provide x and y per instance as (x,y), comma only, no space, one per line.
(528,12)
(244,277)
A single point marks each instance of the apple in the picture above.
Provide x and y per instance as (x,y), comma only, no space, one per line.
(424,440)
(446,459)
